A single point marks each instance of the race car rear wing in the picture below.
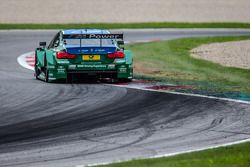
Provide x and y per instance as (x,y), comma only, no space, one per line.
(93,36)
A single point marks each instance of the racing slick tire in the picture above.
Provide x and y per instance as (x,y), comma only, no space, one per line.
(46,74)
(37,72)
(46,71)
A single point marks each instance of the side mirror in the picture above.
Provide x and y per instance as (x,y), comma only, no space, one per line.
(42,44)
(120,42)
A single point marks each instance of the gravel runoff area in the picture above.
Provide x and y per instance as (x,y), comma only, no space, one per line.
(90,11)
(232,54)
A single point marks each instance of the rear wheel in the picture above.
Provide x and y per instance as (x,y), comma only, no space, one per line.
(46,74)
(46,71)
(37,71)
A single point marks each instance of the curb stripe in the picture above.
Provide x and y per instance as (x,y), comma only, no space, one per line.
(22,60)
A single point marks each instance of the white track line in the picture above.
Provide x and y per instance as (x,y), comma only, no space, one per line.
(185,94)
(172,154)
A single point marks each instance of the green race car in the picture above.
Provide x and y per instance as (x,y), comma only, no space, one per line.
(84,53)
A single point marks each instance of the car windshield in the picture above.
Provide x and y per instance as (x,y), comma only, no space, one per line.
(88,42)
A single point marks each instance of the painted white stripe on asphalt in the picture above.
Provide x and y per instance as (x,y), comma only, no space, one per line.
(173,154)
(186,94)
(202,149)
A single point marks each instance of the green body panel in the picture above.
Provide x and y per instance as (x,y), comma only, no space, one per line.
(50,58)
(59,68)
(128,57)
(40,58)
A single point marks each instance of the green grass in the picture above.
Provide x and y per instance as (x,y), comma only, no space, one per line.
(231,156)
(125,25)
(170,62)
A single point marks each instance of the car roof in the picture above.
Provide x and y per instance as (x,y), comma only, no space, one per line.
(85,31)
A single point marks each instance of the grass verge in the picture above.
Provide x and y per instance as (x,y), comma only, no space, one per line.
(170,62)
(125,25)
(230,156)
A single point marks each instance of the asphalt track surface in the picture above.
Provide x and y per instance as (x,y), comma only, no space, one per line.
(57,125)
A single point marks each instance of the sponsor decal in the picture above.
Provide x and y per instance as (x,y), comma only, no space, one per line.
(52,78)
(72,66)
(119,61)
(91,63)
(91,50)
(105,36)
(91,66)
(63,62)
(61,69)
(122,70)
(83,50)
(111,66)
(93,36)
(51,67)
